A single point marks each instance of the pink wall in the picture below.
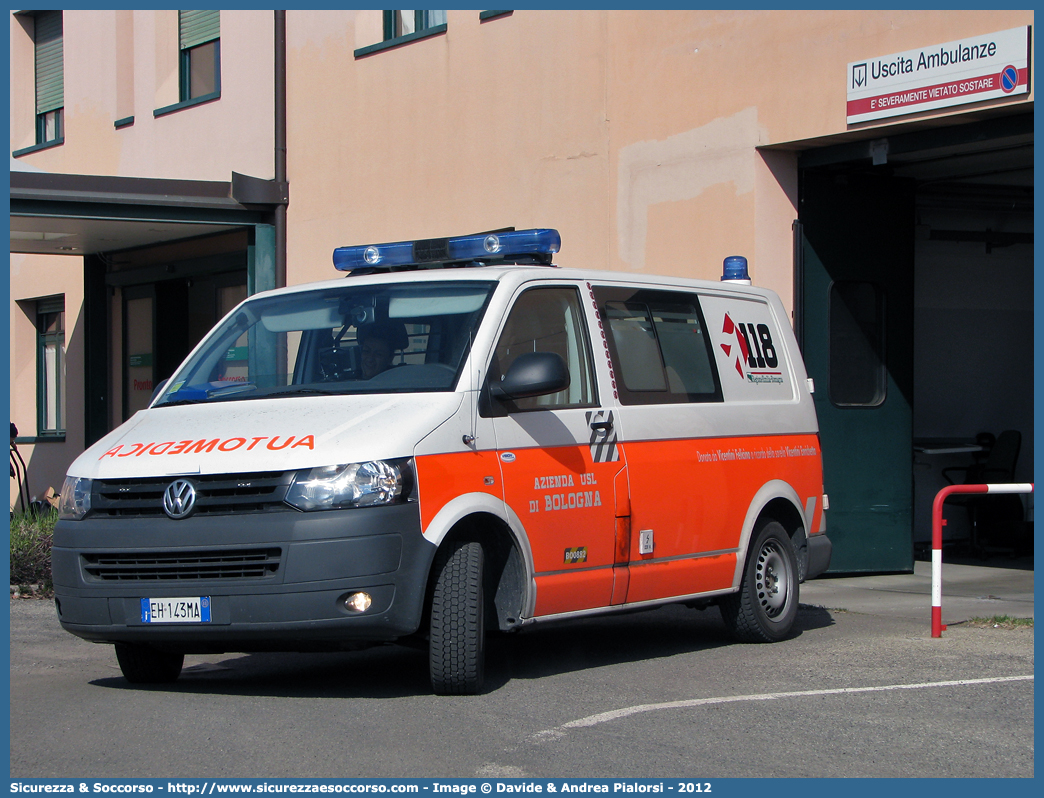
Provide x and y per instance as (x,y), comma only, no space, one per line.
(47,276)
(206,142)
(654,141)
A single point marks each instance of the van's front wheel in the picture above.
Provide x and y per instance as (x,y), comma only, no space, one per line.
(764,609)
(456,649)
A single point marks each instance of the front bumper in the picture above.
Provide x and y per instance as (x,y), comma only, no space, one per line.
(276,580)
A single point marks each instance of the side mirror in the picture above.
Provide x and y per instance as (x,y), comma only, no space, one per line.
(532,374)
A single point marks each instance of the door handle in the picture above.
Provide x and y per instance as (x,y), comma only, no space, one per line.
(602,426)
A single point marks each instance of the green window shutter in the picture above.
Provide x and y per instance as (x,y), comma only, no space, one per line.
(50,62)
(198,27)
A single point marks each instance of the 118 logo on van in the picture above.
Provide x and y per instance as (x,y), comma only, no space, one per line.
(756,349)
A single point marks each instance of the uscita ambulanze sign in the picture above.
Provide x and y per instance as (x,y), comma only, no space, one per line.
(942,75)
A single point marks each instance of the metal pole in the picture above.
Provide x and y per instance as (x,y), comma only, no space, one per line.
(280,144)
(937,525)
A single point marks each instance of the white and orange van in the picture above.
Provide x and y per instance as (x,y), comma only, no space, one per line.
(455,438)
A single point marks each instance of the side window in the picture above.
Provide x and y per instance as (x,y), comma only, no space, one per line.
(548,320)
(659,346)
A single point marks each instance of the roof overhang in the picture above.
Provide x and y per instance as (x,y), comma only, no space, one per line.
(62,214)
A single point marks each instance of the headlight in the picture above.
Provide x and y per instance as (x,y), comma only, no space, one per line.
(352,485)
(75,502)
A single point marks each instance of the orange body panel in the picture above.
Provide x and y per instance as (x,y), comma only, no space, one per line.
(577,590)
(694,496)
(656,580)
(443,477)
(566,503)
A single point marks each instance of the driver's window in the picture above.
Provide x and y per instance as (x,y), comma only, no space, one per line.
(548,320)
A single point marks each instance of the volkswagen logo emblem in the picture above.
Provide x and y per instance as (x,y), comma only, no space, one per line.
(179,499)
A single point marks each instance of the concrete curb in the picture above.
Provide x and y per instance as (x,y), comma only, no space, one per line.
(968,591)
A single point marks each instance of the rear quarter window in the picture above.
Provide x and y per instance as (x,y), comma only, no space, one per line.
(659,345)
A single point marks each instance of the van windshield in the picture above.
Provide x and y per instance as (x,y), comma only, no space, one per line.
(345,340)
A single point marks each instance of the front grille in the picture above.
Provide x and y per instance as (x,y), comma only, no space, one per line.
(216,494)
(254,563)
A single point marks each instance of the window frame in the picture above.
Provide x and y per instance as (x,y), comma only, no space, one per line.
(501,408)
(834,349)
(421,23)
(59,128)
(391,41)
(605,294)
(46,307)
(185,72)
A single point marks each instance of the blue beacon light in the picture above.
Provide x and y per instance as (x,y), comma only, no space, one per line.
(734,270)
(501,246)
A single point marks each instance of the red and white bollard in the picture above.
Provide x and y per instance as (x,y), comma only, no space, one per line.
(937,525)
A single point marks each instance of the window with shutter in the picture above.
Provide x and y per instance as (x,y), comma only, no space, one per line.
(50,76)
(199,38)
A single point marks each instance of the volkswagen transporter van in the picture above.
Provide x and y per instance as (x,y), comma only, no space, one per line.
(455,438)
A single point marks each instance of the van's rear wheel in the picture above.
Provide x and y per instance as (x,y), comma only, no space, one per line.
(764,609)
(456,649)
(146,665)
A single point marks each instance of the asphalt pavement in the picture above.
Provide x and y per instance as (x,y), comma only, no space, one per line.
(860,689)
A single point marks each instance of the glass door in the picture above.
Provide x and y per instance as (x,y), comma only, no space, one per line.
(138,338)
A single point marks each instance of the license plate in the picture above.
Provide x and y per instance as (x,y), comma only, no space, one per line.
(176,610)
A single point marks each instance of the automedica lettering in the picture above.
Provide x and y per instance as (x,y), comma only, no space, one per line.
(207,446)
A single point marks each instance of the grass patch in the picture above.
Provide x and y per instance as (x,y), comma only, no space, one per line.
(31,549)
(1001,622)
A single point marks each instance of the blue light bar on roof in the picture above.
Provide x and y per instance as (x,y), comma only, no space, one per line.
(501,247)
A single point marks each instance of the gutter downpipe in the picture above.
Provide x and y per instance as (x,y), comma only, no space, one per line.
(280,145)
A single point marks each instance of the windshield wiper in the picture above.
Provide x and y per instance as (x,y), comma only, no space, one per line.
(236,387)
(304,391)
(180,402)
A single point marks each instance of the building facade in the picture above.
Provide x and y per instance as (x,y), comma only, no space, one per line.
(875,167)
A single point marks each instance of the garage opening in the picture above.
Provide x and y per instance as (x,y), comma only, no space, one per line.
(916,267)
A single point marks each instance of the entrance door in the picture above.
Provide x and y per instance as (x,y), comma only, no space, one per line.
(558,456)
(139,305)
(858,252)
(163,321)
